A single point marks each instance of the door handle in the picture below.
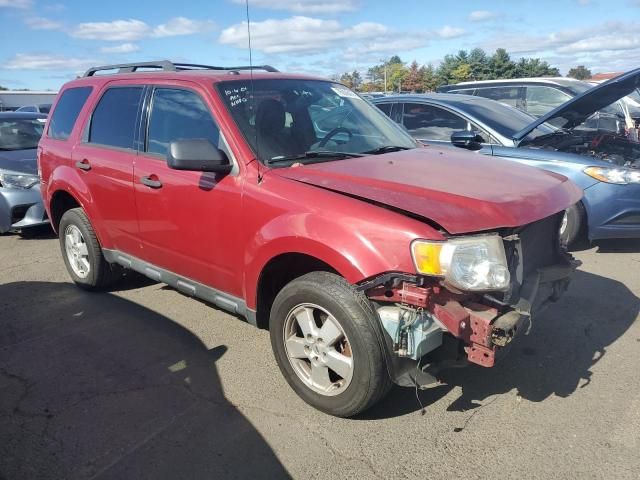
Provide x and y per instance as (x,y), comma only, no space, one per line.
(84,165)
(151,181)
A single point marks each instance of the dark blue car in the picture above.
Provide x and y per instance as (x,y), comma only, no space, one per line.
(599,152)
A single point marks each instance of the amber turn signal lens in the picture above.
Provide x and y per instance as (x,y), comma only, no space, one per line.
(426,256)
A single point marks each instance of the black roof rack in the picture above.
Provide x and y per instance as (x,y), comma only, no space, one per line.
(167,66)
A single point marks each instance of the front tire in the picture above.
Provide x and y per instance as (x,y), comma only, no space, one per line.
(82,253)
(572,225)
(324,340)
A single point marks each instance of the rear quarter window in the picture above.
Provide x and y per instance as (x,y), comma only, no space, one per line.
(66,112)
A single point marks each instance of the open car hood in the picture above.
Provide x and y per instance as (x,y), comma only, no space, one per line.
(460,191)
(581,107)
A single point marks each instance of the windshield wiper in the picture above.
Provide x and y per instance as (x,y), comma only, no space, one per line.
(385,149)
(323,154)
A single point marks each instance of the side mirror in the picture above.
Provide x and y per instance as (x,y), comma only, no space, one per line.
(467,139)
(197,154)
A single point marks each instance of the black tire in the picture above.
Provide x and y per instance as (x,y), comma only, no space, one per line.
(370,380)
(573,231)
(101,273)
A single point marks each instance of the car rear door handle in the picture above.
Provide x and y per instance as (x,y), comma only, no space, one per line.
(151,181)
(84,165)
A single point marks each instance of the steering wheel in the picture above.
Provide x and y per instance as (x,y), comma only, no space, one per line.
(333,133)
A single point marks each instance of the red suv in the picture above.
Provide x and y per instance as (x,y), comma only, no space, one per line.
(293,202)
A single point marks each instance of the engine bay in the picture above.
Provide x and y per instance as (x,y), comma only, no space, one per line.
(620,149)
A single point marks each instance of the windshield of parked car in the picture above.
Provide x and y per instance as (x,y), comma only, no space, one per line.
(499,117)
(20,134)
(296,119)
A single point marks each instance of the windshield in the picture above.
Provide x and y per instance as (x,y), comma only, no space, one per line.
(499,117)
(20,134)
(288,118)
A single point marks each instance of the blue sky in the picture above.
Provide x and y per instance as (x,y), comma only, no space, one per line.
(46,43)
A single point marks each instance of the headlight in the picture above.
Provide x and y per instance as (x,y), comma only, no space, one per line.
(620,176)
(17,180)
(469,263)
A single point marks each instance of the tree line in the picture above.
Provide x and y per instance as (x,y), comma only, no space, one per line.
(454,68)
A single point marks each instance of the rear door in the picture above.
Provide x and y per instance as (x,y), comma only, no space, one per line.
(188,221)
(105,158)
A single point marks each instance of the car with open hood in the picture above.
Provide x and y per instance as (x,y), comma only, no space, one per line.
(21,205)
(600,154)
(291,201)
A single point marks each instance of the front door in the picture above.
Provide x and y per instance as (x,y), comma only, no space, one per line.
(435,125)
(189,222)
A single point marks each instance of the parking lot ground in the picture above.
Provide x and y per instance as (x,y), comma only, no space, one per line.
(143,382)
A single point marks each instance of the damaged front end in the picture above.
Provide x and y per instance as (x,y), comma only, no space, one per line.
(430,325)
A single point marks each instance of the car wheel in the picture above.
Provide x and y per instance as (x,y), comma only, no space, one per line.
(572,224)
(82,253)
(324,340)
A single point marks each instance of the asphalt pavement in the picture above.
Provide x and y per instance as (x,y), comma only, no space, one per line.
(144,382)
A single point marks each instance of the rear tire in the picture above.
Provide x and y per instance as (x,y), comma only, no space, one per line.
(573,224)
(82,253)
(345,318)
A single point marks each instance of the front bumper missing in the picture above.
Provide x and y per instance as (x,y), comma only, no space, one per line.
(483,325)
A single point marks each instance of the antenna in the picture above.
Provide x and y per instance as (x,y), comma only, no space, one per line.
(253,97)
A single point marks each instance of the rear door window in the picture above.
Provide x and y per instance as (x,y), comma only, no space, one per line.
(114,120)
(179,114)
(512,96)
(385,107)
(541,100)
(66,112)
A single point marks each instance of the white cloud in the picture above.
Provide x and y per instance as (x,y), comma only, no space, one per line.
(118,30)
(602,37)
(15,3)
(299,34)
(182,26)
(482,16)
(41,23)
(448,31)
(23,61)
(132,29)
(122,48)
(304,6)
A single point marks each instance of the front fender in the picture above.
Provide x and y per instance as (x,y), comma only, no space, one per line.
(355,248)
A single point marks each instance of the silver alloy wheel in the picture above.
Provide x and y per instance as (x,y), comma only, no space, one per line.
(318,349)
(565,222)
(77,252)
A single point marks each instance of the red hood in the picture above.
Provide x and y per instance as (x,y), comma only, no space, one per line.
(463,192)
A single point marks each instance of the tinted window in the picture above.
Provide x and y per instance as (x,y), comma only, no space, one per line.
(44,108)
(66,113)
(431,123)
(511,96)
(178,114)
(385,107)
(30,109)
(20,134)
(114,120)
(541,100)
